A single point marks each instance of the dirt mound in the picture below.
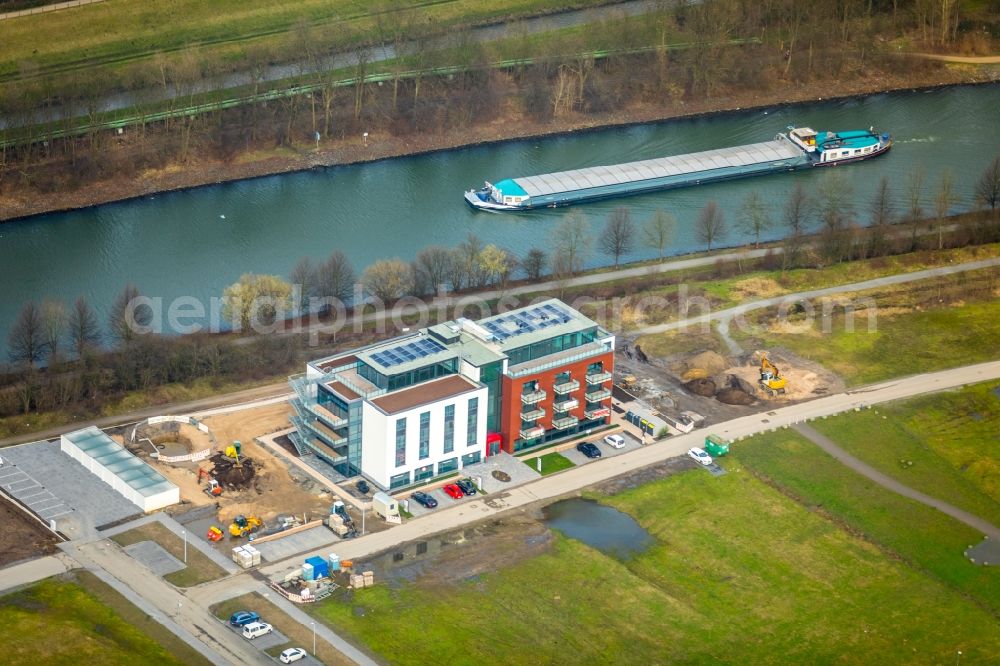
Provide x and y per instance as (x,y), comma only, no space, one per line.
(700,366)
(233,476)
(734,396)
(703,387)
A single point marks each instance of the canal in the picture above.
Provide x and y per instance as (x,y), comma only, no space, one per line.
(196,242)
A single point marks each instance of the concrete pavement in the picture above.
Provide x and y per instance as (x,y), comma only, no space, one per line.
(33,571)
(863,468)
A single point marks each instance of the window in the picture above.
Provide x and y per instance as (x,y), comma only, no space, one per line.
(399,480)
(400,442)
(421,473)
(449,465)
(470,459)
(473,423)
(449,428)
(425,435)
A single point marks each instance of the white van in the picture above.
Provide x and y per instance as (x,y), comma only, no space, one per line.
(255,629)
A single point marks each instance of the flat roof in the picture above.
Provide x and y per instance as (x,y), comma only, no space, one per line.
(423,394)
(341,389)
(534,323)
(336,362)
(404,354)
(139,476)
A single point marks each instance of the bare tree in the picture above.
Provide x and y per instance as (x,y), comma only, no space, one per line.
(881,217)
(53,327)
(570,243)
(534,263)
(306,276)
(796,216)
(388,279)
(754,219)
(988,187)
(431,268)
(659,230)
(711,224)
(466,257)
(84,333)
(943,201)
(334,280)
(836,213)
(618,236)
(26,340)
(127,314)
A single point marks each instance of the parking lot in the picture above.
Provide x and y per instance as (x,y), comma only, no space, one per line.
(274,639)
(631,444)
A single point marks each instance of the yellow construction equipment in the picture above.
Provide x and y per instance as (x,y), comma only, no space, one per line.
(243,525)
(770,377)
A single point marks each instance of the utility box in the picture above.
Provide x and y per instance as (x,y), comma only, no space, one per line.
(385,506)
(716,446)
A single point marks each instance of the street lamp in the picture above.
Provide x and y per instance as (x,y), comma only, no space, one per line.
(365,136)
(185,535)
(958,657)
(314,637)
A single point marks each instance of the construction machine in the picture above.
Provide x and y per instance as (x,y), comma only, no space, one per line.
(214,534)
(770,378)
(243,525)
(213,488)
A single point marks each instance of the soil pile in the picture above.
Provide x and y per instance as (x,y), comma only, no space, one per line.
(231,475)
(703,387)
(734,396)
(700,366)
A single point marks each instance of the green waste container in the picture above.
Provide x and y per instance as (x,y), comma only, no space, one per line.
(716,446)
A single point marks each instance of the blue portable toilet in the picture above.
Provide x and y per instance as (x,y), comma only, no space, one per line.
(320,568)
(307,572)
(334,561)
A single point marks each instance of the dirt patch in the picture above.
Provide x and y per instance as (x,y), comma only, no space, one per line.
(21,537)
(734,396)
(233,474)
(702,387)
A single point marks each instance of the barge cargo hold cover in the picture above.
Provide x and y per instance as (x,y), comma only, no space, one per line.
(799,149)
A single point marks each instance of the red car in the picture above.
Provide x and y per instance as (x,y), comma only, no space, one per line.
(454,491)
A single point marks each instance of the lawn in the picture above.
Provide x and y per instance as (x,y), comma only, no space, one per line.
(945,445)
(551,463)
(81,620)
(298,634)
(907,531)
(921,327)
(740,574)
(200,569)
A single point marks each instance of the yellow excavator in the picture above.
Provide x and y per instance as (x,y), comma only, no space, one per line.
(770,377)
(243,525)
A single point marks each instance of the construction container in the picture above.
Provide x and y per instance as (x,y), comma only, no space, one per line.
(384,505)
(320,568)
(716,446)
(334,560)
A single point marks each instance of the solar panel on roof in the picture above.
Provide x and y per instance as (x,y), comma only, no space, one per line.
(406,352)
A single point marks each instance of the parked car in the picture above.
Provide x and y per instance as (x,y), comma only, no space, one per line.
(467,486)
(615,441)
(424,500)
(292,654)
(255,629)
(589,449)
(453,491)
(240,618)
(362,487)
(700,456)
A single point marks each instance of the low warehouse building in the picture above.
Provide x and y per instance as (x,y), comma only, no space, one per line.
(135,480)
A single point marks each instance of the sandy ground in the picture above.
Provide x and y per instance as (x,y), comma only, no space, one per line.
(21,537)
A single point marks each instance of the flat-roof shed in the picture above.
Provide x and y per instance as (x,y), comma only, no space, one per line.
(132,478)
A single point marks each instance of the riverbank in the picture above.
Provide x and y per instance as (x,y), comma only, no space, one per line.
(203,171)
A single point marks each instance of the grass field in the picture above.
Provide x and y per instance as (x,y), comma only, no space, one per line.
(63,621)
(298,634)
(741,573)
(551,463)
(920,327)
(200,569)
(947,445)
(908,532)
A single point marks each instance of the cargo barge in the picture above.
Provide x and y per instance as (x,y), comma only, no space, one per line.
(800,148)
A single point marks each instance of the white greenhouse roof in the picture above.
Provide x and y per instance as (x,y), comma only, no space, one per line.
(111,455)
(660,167)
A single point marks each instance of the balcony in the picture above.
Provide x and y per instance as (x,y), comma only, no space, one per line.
(598,378)
(565,422)
(566,387)
(598,395)
(597,413)
(565,405)
(533,397)
(533,414)
(532,433)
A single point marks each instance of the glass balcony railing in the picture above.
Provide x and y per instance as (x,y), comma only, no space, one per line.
(565,405)
(597,413)
(566,387)
(532,433)
(598,377)
(565,422)
(533,397)
(598,395)
(533,414)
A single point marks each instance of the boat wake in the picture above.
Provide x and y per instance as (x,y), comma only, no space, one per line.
(926,139)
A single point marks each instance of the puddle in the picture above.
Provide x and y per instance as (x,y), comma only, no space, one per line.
(599,526)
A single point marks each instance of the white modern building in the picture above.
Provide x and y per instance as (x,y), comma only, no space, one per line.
(135,480)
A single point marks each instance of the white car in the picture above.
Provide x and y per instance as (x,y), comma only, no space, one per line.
(615,441)
(700,456)
(292,654)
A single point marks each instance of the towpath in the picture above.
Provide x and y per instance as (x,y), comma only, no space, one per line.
(863,468)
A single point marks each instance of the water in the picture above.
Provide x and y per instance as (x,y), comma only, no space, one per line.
(180,244)
(601,527)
